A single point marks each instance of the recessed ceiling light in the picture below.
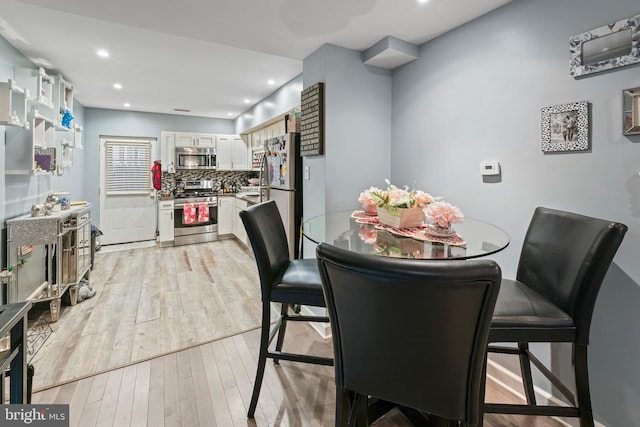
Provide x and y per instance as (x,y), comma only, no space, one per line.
(117,86)
(247,101)
(229,114)
(102,53)
(126,105)
(422,1)
(271,82)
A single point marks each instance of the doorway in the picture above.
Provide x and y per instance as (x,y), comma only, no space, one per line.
(127,197)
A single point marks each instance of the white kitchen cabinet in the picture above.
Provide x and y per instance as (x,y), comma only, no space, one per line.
(165,222)
(185,139)
(238,226)
(205,140)
(231,153)
(226,209)
(167,150)
(13,104)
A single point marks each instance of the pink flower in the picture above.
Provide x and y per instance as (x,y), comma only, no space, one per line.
(443,214)
(367,198)
(422,198)
(368,233)
(393,198)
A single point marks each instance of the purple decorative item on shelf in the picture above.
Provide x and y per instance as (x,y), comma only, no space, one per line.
(67,116)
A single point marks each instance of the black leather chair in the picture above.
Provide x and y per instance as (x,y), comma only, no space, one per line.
(289,282)
(411,332)
(564,259)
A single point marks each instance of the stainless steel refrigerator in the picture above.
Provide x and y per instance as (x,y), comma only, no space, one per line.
(283,171)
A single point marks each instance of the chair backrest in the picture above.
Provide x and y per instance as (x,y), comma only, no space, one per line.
(413,332)
(268,238)
(565,257)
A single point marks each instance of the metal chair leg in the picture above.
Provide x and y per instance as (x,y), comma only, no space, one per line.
(262,360)
(284,313)
(583,397)
(525,368)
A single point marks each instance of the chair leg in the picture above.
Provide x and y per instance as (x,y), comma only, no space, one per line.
(525,368)
(262,358)
(284,313)
(583,396)
(483,388)
(342,406)
(358,410)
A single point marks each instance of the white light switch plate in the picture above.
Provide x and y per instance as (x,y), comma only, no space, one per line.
(307,173)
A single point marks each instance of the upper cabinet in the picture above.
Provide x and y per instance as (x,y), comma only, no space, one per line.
(232,153)
(13,104)
(167,151)
(183,139)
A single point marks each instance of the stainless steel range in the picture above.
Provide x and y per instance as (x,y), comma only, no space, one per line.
(195,212)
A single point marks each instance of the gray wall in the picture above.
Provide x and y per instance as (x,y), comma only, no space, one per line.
(133,124)
(475,94)
(279,102)
(19,192)
(357,131)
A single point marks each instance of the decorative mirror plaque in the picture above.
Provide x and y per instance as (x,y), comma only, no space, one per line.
(611,46)
(312,121)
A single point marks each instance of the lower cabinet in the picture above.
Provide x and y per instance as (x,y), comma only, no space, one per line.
(238,227)
(165,222)
(226,209)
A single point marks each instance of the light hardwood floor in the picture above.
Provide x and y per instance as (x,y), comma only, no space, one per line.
(166,307)
(149,302)
(210,385)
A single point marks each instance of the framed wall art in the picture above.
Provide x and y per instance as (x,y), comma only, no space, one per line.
(610,46)
(565,127)
(312,121)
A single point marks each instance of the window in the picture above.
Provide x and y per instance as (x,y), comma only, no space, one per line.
(128,167)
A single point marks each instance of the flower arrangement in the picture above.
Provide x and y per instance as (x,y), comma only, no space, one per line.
(443,214)
(394,198)
(369,201)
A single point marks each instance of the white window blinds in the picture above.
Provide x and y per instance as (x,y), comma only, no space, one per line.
(128,167)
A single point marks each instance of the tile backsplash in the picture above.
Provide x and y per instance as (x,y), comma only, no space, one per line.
(230,181)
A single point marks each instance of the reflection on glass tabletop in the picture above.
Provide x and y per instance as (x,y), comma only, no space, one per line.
(473,238)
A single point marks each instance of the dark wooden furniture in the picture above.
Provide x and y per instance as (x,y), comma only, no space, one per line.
(412,333)
(282,280)
(564,259)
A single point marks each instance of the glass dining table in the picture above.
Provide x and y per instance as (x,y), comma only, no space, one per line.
(358,232)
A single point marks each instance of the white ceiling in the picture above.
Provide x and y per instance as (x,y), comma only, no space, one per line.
(207,56)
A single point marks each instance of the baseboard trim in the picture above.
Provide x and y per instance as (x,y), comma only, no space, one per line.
(510,381)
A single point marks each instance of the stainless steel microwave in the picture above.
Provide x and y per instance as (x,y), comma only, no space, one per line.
(195,158)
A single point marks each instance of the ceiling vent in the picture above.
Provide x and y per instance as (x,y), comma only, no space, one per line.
(389,53)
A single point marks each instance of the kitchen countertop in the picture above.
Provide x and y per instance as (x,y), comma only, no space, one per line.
(250,198)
